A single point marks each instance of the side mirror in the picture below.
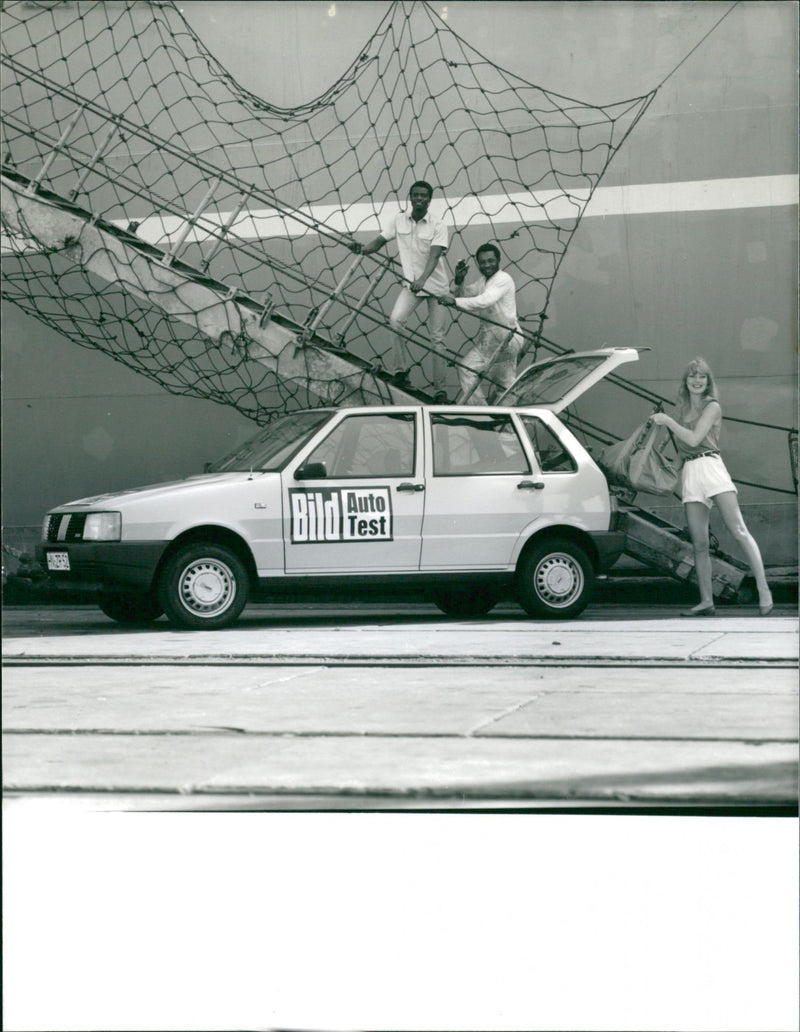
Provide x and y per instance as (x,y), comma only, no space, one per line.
(311,471)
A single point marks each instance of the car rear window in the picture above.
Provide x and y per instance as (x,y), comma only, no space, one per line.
(548,385)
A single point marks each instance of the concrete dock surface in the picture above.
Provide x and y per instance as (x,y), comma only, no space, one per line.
(397,706)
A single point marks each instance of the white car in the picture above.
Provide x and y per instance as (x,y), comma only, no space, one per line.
(467,502)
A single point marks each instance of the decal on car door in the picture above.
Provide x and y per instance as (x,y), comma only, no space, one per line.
(341,514)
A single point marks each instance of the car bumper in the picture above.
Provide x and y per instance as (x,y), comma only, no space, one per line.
(609,546)
(130,564)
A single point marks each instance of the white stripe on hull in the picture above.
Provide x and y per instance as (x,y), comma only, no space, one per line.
(500,209)
(524,207)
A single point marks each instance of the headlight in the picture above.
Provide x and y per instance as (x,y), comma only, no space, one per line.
(102,526)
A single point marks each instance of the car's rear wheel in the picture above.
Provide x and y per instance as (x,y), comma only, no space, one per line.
(204,587)
(130,607)
(468,602)
(555,580)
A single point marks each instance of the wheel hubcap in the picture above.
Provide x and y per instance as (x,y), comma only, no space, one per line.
(558,580)
(207,587)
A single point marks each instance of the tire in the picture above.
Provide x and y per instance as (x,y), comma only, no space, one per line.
(203,587)
(130,607)
(555,580)
(468,602)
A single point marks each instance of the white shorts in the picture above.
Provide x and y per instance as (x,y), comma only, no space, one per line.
(703,478)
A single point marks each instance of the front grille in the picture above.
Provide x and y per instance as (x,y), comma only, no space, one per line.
(73,523)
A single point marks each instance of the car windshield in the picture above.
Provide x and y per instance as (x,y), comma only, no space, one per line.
(271,448)
(548,384)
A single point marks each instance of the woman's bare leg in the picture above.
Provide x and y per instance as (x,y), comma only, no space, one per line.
(731,514)
(697,521)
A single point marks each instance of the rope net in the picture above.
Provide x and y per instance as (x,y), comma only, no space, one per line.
(161,213)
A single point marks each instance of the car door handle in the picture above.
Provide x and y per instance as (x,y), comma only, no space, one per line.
(530,485)
(410,487)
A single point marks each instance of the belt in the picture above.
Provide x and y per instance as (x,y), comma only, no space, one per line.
(702,455)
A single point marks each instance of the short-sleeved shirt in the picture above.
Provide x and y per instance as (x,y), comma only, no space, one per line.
(496,298)
(414,243)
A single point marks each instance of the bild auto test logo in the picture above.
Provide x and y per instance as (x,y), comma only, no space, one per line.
(341,514)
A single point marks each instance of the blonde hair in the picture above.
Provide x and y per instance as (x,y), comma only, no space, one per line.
(697,365)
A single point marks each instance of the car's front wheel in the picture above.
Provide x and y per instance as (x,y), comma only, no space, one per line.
(204,587)
(555,580)
(130,607)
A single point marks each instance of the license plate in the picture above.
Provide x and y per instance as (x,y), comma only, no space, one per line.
(58,560)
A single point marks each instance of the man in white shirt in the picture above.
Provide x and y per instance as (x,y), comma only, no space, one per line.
(495,351)
(421,245)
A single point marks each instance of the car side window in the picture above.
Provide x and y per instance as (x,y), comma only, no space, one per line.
(480,444)
(379,445)
(551,454)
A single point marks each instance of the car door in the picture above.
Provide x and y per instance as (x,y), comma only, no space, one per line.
(353,502)
(481,490)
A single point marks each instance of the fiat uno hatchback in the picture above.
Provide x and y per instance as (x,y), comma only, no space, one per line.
(469,503)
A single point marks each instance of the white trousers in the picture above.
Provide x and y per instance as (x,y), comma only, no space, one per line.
(489,359)
(405,304)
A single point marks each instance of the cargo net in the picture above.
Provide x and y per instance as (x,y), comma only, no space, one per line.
(158,211)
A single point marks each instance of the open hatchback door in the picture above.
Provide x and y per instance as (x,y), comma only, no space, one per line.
(556,383)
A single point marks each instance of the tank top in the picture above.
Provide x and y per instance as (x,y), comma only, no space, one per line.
(709,443)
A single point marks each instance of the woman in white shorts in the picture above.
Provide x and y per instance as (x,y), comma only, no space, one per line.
(706,480)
